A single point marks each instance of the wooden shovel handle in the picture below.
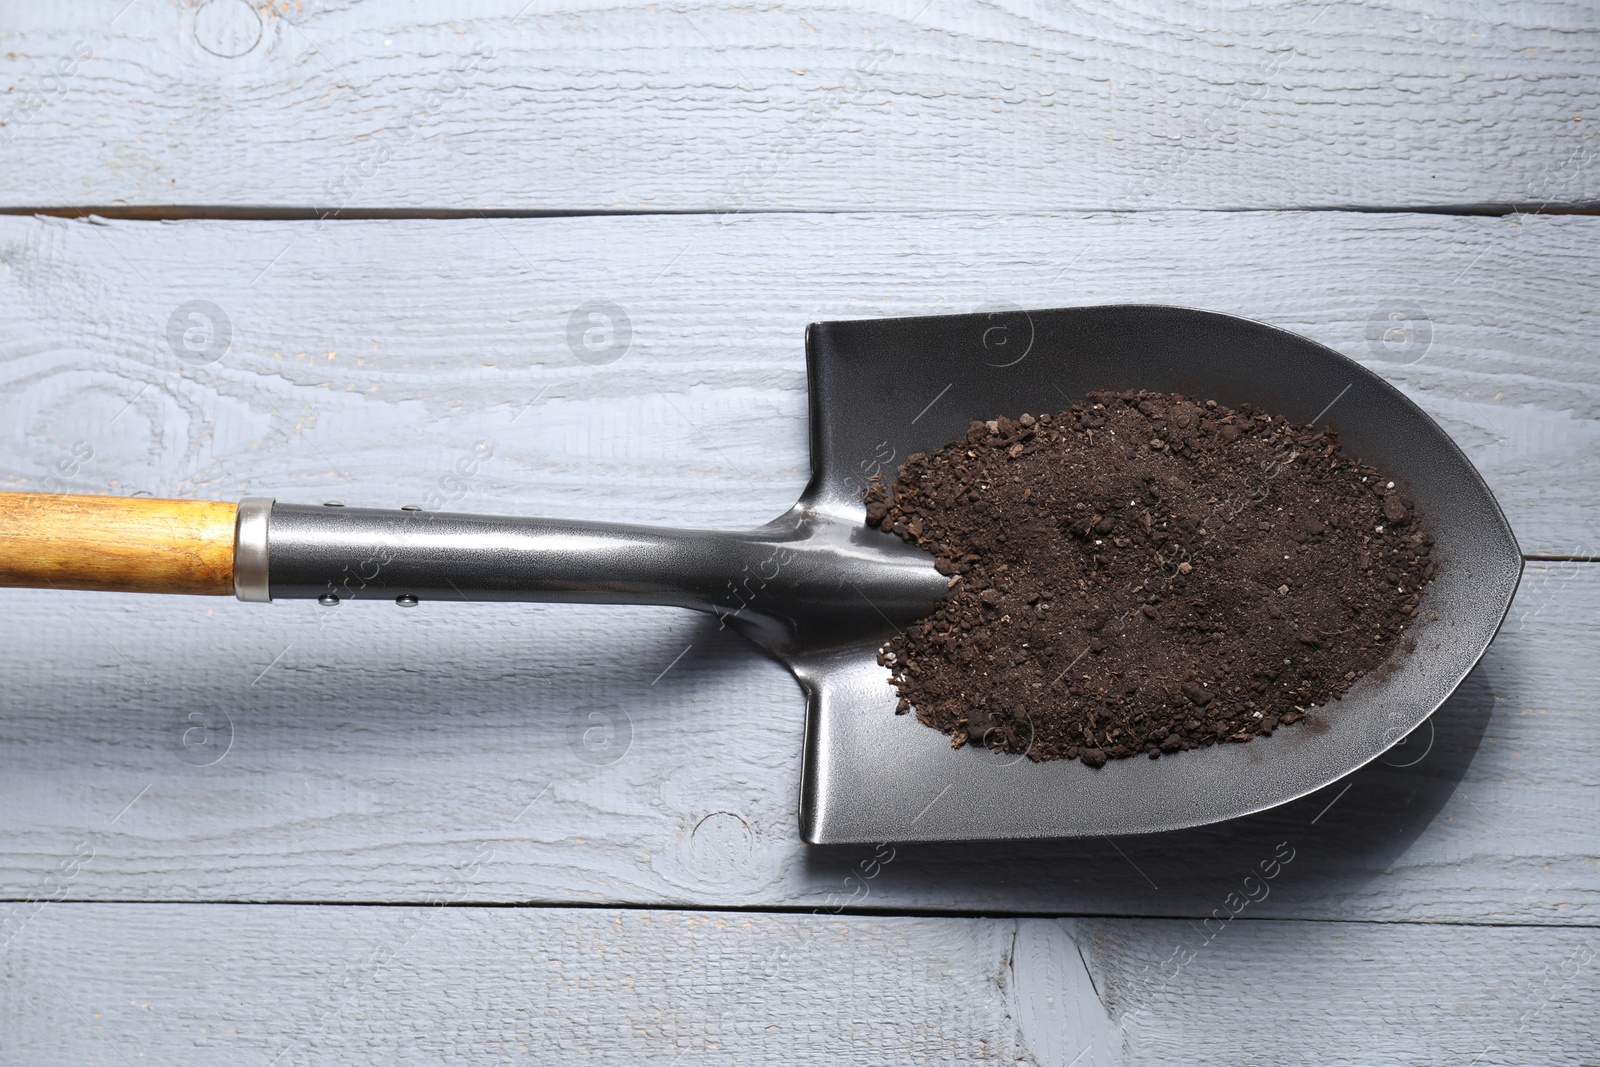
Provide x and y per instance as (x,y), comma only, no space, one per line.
(118,544)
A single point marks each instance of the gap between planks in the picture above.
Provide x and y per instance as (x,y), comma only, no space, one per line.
(264,213)
(893,912)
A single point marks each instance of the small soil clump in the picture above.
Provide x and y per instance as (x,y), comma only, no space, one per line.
(1146,573)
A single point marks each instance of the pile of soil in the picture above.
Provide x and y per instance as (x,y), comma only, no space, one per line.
(1146,573)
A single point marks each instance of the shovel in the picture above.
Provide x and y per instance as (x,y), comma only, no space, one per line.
(822,591)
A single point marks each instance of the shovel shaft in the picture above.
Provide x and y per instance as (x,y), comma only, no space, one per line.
(798,582)
(374,554)
(801,582)
(119,544)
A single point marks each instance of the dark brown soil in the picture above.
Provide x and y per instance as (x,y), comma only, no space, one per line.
(1146,573)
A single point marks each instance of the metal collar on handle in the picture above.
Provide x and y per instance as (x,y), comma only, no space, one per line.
(250,550)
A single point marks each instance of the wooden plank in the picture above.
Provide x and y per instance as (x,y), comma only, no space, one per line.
(901,105)
(361,758)
(89,984)
(1344,993)
(200,984)
(235,752)
(365,358)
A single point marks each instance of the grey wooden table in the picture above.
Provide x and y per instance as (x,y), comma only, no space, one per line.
(326,250)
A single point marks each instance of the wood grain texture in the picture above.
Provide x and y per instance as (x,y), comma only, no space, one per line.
(445,984)
(291,754)
(286,752)
(116,544)
(1272,993)
(207,984)
(360,360)
(894,105)
(174,750)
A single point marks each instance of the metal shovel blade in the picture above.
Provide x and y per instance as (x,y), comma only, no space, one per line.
(882,389)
